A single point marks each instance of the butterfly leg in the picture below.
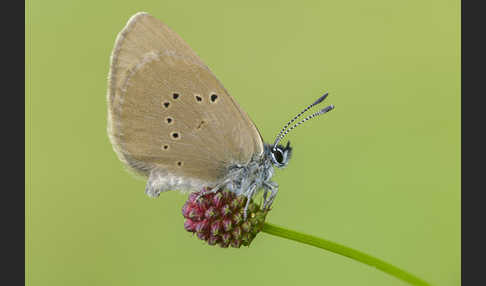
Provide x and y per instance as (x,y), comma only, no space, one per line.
(248,198)
(273,188)
(212,190)
(265,194)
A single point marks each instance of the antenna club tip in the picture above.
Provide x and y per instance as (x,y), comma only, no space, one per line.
(320,99)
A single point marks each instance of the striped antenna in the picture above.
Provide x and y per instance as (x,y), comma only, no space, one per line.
(319,100)
(322,111)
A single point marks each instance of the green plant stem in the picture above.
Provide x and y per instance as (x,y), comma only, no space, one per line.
(343,250)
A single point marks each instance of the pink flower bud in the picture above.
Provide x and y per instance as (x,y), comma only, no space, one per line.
(227,224)
(225,210)
(202,226)
(216,227)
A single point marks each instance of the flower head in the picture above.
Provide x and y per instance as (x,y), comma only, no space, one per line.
(218,218)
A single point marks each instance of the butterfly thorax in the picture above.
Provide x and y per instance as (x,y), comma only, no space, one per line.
(250,178)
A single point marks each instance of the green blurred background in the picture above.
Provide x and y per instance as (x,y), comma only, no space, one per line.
(381,173)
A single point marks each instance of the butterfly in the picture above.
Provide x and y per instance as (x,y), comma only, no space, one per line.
(171,120)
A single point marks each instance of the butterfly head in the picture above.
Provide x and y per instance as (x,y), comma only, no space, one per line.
(281,155)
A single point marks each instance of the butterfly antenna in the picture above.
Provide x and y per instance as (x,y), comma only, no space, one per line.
(322,111)
(280,136)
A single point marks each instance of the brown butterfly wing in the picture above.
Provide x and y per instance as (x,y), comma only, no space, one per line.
(169,117)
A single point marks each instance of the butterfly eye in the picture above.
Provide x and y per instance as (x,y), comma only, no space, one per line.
(281,155)
(278,156)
